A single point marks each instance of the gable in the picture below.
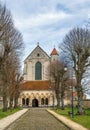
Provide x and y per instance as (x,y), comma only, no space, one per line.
(38,52)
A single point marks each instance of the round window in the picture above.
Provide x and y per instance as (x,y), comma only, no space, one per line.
(38,54)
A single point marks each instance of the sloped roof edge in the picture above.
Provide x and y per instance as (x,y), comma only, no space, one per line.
(34,50)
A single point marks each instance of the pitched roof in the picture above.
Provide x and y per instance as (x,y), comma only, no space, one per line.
(37,47)
(54,52)
(37,85)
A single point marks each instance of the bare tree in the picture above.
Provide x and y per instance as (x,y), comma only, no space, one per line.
(76,45)
(19,79)
(13,69)
(59,77)
(11,39)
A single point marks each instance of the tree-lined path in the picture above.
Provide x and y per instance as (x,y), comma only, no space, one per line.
(37,119)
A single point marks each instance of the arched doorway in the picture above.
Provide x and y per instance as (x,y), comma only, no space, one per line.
(34,103)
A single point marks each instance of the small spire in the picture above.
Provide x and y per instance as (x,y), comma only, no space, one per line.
(37,43)
(54,52)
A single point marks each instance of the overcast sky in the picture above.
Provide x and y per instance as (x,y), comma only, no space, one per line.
(47,21)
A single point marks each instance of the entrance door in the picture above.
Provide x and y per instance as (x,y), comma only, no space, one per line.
(34,103)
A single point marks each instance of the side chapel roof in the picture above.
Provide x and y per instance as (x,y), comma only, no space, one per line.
(37,85)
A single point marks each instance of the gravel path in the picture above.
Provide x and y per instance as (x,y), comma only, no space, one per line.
(37,119)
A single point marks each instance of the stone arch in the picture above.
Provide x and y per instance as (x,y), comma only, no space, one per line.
(47,94)
(23,95)
(43,95)
(37,95)
(32,95)
(27,95)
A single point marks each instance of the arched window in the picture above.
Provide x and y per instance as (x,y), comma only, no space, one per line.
(38,71)
(46,101)
(42,101)
(23,101)
(27,101)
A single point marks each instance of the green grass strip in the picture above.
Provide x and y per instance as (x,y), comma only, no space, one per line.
(84,120)
(8,112)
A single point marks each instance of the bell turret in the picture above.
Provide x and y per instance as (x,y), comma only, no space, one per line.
(54,55)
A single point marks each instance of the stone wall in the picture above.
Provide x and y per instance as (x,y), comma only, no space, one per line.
(86,103)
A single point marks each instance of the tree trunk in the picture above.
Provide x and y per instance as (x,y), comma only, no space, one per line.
(57,90)
(80,104)
(58,100)
(58,103)
(11,103)
(62,96)
(16,102)
(62,103)
(16,96)
(5,103)
(80,110)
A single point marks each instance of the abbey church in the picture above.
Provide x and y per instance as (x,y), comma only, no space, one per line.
(37,89)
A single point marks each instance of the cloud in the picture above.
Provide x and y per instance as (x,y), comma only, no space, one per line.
(47,21)
(40,20)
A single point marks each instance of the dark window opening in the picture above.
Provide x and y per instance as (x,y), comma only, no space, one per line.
(38,55)
(27,101)
(42,101)
(23,101)
(46,101)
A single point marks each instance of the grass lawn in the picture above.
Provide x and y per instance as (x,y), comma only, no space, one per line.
(8,112)
(84,120)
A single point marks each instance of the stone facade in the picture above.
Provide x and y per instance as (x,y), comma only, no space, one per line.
(37,55)
(36,89)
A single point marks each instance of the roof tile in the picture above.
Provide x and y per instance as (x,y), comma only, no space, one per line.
(37,85)
(54,52)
